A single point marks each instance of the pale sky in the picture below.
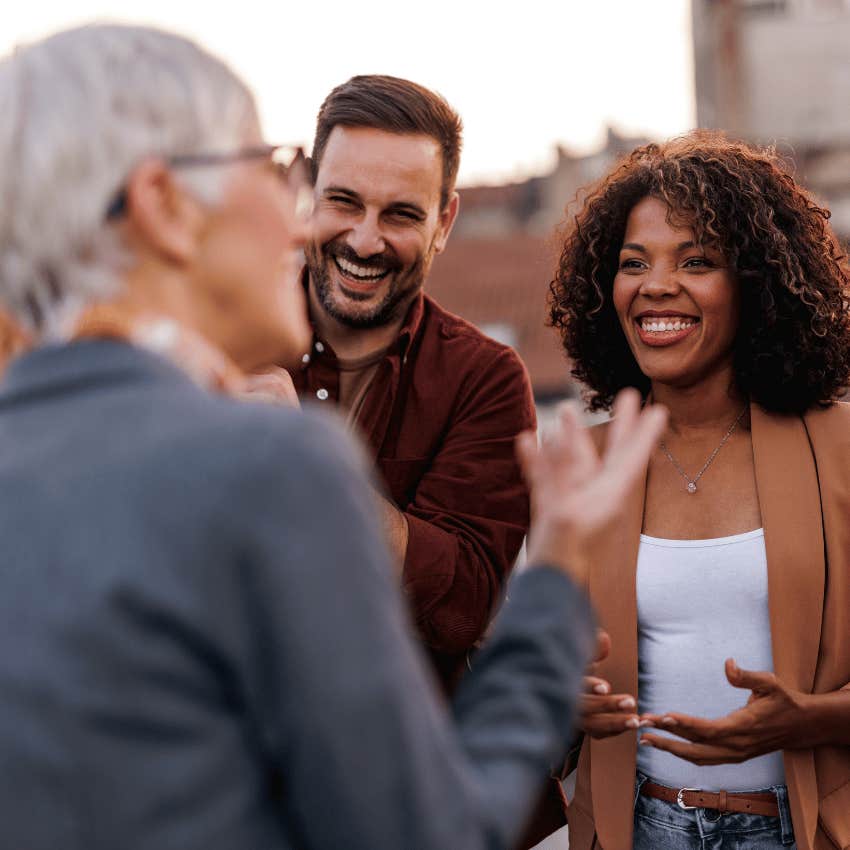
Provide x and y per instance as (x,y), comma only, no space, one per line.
(524,75)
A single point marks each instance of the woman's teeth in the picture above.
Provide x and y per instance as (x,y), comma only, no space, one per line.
(661,325)
(359,272)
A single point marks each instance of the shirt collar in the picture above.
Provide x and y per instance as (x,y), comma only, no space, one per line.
(412,322)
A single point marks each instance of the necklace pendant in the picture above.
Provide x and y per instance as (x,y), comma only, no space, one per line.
(692,487)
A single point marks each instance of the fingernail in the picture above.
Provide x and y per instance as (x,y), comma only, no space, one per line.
(645,723)
(628,702)
(633,723)
(668,721)
(600,689)
(644,743)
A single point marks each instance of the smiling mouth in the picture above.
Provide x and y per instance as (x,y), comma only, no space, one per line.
(664,330)
(359,274)
(656,325)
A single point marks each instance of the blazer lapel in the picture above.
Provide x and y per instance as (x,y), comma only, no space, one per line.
(614,595)
(789,498)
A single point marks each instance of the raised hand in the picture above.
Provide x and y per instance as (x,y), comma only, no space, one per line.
(575,492)
(774,718)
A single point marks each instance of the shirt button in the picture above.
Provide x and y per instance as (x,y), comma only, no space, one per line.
(305,358)
(322,394)
(320,347)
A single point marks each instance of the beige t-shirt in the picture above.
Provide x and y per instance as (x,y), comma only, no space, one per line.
(355,380)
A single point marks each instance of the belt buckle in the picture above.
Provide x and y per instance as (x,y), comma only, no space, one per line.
(680,798)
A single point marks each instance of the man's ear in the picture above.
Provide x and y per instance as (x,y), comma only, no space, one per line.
(162,216)
(447,220)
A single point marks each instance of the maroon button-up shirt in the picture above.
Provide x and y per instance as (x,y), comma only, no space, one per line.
(441,417)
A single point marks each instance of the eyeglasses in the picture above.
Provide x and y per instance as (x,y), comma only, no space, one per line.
(288,161)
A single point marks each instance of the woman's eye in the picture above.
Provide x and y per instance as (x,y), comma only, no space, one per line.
(697,262)
(631,263)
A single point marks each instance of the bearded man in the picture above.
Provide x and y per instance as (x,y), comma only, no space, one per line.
(438,403)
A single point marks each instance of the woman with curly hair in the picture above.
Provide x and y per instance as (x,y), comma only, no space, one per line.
(701,273)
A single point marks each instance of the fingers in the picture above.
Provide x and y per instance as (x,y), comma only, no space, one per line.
(569,419)
(607,725)
(754,680)
(697,729)
(578,448)
(624,415)
(637,435)
(603,646)
(702,754)
(605,715)
(538,457)
(573,494)
(608,703)
(595,685)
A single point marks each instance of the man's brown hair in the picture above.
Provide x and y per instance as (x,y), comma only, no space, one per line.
(397,106)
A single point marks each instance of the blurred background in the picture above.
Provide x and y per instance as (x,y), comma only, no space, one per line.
(551,93)
(772,71)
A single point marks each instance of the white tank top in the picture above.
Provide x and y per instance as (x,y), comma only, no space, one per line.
(699,603)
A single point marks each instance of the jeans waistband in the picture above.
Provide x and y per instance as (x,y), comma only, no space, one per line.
(780,791)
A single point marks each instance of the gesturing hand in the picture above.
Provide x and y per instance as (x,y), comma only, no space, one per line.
(575,493)
(603,714)
(774,718)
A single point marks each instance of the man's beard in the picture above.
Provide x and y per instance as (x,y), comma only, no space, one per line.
(404,285)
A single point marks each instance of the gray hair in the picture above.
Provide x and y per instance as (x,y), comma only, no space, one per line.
(80,110)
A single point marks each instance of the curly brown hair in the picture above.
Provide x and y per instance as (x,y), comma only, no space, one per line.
(792,350)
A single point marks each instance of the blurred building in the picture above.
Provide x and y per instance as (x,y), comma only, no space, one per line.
(538,205)
(496,269)
(772,71)
(779,71)
(500,284)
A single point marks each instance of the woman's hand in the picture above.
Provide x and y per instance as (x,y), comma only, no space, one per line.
(601,713)
(774,718)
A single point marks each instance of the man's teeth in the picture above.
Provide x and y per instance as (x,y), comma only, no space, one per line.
(661,325)
(359,272)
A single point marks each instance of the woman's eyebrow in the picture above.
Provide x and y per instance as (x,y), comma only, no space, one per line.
(636,246)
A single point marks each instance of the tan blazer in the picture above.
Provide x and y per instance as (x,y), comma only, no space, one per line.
(802,469)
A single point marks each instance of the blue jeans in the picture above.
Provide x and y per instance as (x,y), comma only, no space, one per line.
(666,826)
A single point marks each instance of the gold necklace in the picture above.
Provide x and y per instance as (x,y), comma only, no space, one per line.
(692,482)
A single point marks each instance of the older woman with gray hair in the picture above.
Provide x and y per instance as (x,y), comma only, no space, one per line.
(102,118)
(201,644)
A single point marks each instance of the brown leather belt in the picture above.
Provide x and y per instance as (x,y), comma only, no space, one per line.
(723,801)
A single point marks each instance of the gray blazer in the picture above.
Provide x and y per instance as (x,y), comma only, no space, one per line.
(202,645)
